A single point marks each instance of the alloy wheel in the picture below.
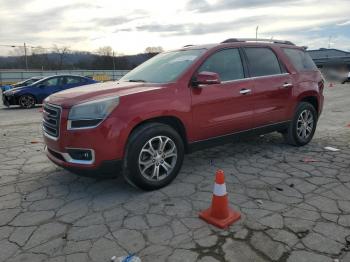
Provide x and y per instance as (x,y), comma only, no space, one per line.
(305,124)
(157,158)
(27,101)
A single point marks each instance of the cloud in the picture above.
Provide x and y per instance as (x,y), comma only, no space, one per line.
(118,20)
(204,6)
(170,28)
(40,21)
(344,23)
(200,28)
(111,21)
(87,24)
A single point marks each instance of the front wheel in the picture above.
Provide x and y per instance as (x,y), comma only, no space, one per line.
(302,128)
(27,101)
(154,156)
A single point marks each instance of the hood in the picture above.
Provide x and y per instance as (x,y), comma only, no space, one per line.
(91,92)
(15,89)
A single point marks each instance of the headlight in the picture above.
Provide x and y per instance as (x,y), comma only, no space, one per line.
(10,92)
(90,114)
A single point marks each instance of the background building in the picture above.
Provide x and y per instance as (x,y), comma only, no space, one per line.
(324,57)
(334,63)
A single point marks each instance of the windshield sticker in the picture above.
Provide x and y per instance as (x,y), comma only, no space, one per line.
(183,58)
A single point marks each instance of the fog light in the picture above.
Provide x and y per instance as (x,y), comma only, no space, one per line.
(80,154)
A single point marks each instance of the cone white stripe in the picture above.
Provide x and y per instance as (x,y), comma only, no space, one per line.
(220,189)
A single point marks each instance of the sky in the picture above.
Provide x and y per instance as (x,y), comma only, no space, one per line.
(129,26)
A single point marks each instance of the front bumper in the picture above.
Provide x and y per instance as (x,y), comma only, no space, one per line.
(107,168)
(105,144)
(9,100)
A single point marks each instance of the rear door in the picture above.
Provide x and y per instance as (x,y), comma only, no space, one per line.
(73,81)
(225,108)
(272,86)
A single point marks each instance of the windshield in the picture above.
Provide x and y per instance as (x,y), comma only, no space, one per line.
(26,82)
(20,83)
(163,68)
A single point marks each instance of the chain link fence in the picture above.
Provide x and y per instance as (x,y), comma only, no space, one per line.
(13,76)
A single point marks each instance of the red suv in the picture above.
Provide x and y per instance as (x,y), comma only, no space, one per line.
(180,101)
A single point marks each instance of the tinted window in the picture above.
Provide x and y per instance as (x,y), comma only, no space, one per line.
(262,61)
(30,81)
(301,60)
(227,63)
(72,80)
(51,82)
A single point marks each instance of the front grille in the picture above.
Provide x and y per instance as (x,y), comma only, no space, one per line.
(51,119)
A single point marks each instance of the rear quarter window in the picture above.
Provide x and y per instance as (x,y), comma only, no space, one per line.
(300,59)
(262,61)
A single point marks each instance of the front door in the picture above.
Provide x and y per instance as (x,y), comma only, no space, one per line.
(224,108)
(49,86)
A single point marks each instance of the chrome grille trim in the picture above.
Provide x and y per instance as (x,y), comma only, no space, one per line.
(51,120)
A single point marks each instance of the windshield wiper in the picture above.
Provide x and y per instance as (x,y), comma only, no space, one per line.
(137,80)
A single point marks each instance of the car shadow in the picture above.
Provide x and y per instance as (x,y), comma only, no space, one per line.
(19,108)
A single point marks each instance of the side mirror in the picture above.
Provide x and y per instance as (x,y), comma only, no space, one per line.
(207,78)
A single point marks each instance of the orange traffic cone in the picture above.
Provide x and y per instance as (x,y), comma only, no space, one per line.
(220,214)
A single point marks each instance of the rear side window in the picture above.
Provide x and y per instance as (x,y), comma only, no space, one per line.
(73,80)
(227,63)
(301,60)
(262,61)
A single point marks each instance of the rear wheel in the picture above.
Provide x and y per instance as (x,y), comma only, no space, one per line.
(302,128)
(27,101)
(154,156)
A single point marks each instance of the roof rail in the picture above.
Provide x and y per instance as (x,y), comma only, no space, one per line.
(187,45)
(232,40)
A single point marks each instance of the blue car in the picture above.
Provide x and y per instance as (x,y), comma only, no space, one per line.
(29,96)
(22,83)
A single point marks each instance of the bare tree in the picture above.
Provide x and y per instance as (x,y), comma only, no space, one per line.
(154,49)
(39,58)
(38,50)
(17,51)
(62,53)
(105,51)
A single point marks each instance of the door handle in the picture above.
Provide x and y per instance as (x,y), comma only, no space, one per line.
(245,91)
(287,85)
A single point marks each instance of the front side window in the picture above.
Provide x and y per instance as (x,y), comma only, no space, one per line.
(51,82)
(163,68)
(262,61)
(226,63)
(300,59)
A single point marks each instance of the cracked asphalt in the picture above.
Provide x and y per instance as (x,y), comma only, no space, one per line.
(295,202)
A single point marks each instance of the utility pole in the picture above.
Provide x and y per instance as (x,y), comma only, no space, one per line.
(256,32)
(25,55)
(113,66)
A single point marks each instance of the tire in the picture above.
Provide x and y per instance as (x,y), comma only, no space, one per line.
(299,131)
(26,101)
(144,156)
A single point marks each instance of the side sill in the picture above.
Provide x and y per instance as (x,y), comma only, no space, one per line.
(215,141)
